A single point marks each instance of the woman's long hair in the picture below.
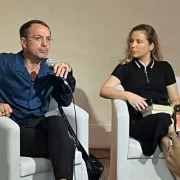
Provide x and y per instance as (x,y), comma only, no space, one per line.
(151,37)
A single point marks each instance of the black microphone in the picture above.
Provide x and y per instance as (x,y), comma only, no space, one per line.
(50,63)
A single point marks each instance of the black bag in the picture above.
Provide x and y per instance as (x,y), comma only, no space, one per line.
(93,165)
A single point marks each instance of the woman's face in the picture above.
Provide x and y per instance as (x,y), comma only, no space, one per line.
(139,45)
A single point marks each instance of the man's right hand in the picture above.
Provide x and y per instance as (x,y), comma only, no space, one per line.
(5,110)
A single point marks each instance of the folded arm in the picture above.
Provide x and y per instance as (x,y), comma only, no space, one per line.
(109,91)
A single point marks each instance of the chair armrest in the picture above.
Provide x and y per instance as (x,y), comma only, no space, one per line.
(82,122)
(9,149)
(121,112)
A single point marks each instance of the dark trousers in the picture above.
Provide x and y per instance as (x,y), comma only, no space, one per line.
(48,137)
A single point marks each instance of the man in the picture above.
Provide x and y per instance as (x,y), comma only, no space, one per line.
(26,86)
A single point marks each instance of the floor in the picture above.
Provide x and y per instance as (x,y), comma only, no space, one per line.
(105,162)
(103,155)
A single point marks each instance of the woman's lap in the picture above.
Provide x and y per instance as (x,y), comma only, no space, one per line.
(149,130)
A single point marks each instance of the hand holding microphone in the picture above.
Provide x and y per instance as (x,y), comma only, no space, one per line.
(64,72)
(60,69)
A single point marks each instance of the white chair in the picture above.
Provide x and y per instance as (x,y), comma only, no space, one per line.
(14,167)
(127,154)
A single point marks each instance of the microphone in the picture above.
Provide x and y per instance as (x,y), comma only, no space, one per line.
(50,63)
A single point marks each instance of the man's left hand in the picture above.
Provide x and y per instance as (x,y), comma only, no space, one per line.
(62,69)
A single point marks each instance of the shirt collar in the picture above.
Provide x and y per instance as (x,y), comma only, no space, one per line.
(44,69)
(140,64)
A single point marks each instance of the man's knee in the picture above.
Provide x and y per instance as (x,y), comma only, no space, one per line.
(57,122)
(59,127)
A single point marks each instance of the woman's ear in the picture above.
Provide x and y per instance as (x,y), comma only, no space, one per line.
(151,46)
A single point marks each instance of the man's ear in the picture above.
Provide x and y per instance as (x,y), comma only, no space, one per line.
(23,42)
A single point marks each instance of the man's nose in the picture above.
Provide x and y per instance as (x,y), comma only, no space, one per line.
(44,42)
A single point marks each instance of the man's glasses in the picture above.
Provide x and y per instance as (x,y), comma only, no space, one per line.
(41,39)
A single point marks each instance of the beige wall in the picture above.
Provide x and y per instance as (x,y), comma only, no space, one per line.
(90,35)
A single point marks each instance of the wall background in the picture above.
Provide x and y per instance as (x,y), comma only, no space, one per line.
(91,35)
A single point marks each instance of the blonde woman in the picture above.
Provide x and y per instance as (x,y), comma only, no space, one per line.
(144,76)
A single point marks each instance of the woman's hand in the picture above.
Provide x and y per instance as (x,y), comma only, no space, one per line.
(137,102)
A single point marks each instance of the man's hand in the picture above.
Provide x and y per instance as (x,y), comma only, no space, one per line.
(5,110)
(62,69)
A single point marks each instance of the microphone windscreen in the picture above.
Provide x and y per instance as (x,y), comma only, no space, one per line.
(50,62)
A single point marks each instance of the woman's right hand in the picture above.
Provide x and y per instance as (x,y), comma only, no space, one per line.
(5,110)
(137,102)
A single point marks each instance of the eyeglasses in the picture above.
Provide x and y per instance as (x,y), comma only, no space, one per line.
(41,39)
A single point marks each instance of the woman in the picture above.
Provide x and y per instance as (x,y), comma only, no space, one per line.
(144,77)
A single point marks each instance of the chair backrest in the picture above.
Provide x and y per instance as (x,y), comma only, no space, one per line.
(120,87)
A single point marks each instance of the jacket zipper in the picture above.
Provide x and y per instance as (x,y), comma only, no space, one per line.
(145,71)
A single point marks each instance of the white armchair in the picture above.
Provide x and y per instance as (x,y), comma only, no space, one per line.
(127,160)
(14,167)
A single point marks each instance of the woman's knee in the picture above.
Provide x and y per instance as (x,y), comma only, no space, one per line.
(165,119)
(164,116)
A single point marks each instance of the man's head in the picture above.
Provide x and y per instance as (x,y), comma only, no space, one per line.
(35,37)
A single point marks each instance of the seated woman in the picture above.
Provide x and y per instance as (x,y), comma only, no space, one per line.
(144,76)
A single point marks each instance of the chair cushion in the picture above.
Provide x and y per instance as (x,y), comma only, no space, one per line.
(135,151)
(29,166)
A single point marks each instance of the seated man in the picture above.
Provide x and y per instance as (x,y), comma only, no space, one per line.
(26,86)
